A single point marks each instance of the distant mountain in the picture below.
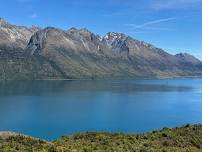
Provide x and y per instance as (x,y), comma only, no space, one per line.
(187,58)
(51,53)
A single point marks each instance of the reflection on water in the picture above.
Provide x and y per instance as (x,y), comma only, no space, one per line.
(49,109)
(49,87)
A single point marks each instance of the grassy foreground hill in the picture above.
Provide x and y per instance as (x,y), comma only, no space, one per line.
(185,139)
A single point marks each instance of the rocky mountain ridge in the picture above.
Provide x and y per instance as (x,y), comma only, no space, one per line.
(188,58)
(14,37)
(51,53)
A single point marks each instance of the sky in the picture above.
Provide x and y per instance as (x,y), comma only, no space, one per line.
(173,25)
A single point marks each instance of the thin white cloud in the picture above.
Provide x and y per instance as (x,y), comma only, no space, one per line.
(34,15)
(148,25)
(174,4)
(23,1)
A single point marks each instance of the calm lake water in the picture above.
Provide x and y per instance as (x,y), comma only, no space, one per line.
(50,109)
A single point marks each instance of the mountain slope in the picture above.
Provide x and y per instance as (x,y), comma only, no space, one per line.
(53,53)
(82,54)
(14,37)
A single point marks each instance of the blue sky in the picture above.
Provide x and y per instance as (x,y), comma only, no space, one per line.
(174,25)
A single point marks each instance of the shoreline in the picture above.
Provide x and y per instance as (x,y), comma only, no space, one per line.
(15,133)
(113,79)
(185,138)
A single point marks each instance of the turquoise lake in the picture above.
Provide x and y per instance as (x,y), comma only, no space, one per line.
(50,109)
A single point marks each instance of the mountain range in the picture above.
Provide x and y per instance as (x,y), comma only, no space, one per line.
(52,53)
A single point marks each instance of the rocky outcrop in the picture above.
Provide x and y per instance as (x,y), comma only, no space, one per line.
(6,134)
(14,38)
